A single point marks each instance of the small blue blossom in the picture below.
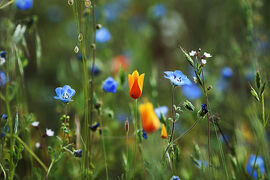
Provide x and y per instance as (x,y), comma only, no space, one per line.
(103,35)
(201,164)
(175,178)
(204,108)
(161,110)
(78,153)
(222,84)
(144,135)
(24,4)
(110,85)
(3,55)
(2,135)
(192,91)
(258,165)
(225,138)
(64,93)
(177,78)
(4,116)
(227,72)
(96,70)
(94,127)
(159,10)
(3,79)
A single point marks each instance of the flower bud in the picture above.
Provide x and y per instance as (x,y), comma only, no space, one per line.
(188,105)
(87,3)
(70,2)
(127,125)
(80,37)
(76,49)
(98,26)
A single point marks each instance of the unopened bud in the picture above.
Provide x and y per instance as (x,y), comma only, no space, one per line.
(99,26)
(93,46)
(188,105)
(80,37)
(127,125)
(76,49)
(87,3)
(195,79)
(70,2)
(209,88)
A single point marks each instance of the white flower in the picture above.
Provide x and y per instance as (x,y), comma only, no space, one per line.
(2,60)
(192,53)
(37,145)
(35,123)
(203,61)
(49,132)
(207,55)
(195,79)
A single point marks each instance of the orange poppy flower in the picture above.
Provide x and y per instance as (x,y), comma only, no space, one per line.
(150,121)
(164,134)
(135,83)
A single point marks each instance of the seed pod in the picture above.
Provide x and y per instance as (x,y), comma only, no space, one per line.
(76,49)
(127,125)
(70,2)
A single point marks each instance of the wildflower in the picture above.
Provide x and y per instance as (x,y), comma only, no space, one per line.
(24,4)
(206,55)
(78,153)
(195,79)
(2,57)
(144,134)
(203,110)
(110,85)
(150,120)
(49,132)
(94,127)
(227,72)
(35,123)
(259,166)
(191,92)
(64,93)
(161,110)
(203,62)
(177,78)
(4,117)
(37,145)
(103,35)
(159,10)
(119,62)
(201,164)
(135,83)
(2,135)
(3,79)
(175,178)
(192,53)
(164,134)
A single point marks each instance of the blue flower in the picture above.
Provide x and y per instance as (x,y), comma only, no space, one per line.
(110,85)
(103,35)
(144,135)
(64,93)
(4,116)
(192,91)
(201,164)
(24,4)
(225,138)
(161,110)
(3,54)
(204,108)
(177,78)
(227,72)
(258,165)
(78,153)
(94,127)
(175,178)
(222,84)
(3,79)
(2,135)
(159,10)
(96,70)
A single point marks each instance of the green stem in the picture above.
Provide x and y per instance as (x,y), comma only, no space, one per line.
(50,167)
(136,137)
(104,152)
(263,111)
(127,168)
(173,125)
(31,152)
(4,172)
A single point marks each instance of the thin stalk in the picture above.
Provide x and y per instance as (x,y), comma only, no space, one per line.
(50,167)
(263,111)
(208,116)
(31,152)
(4,172)
(127,168)
(173,125)
(104,152)
(136,137)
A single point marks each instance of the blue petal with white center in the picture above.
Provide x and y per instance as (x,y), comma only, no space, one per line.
(177,78)
(64,93)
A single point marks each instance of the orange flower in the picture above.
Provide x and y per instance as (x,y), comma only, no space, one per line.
(150,121)
(164,134)
(119,62)
(135,83)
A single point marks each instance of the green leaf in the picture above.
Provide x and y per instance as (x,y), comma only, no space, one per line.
(188,105)
(18,33)
(254,94)
(262,89)
(188,58)
(258,80)
(16,123)
(38,50)
(199,78)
